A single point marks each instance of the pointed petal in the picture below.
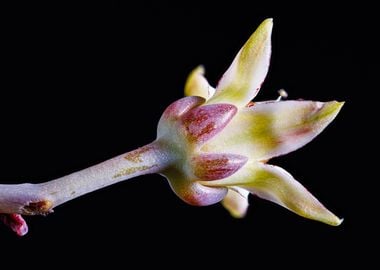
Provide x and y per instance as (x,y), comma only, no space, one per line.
(270,129)
(275,184)
(236,202)
(244,77)
(16,222)
(204,122)
(217,166)
(197,85)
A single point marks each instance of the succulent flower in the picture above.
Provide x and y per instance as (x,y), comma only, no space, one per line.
(212,146)
(222,142)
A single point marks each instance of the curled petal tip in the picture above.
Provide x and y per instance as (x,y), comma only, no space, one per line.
(328,218)
(340,221)
(337,222)
(323,215)
(197,85)
(332,220)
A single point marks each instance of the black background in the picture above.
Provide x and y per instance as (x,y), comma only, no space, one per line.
(83,82)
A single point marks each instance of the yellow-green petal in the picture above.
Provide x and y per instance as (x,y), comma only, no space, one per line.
(275,184)
(243,79)
(236,202)
(270,129)
(197,85)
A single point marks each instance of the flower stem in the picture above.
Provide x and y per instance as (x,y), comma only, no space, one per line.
(34,199)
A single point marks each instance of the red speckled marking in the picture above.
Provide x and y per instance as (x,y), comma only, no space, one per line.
(217,166)
(136,155)
(16,222)
(202,123)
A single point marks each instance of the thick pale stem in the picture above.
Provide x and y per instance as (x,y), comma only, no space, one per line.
(32,199)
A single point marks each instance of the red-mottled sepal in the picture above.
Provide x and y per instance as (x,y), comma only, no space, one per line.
(204,122)
(217,166)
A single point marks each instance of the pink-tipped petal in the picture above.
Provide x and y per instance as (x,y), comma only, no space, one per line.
(242,80)
(270,129)
(16,222)
(197,85)
(275,184)
(236,202)
(204,122)
(217,166)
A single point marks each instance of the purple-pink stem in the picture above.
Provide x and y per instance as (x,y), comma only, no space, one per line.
(40,199)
